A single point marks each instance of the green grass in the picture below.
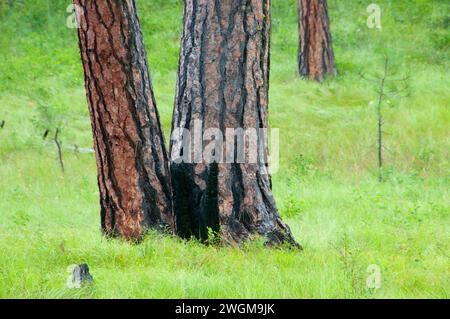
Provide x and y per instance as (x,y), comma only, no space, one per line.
(326,187)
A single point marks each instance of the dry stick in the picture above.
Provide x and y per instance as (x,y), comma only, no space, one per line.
(58,144)
(380,122)
(45,134)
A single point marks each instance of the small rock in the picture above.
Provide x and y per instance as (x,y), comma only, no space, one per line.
(80,276)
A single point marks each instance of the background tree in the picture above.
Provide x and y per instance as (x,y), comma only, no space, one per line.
(133,175)
(315,55)
(387,87)
(223,83)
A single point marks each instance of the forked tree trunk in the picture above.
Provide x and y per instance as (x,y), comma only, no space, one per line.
(223,83)
(315,56)
(133,175)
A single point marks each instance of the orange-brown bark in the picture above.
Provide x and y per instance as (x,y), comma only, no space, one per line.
(133,175)
(316,56)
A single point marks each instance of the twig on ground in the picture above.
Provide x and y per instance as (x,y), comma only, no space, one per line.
(44,136)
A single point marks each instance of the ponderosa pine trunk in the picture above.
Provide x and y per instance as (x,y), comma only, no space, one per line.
(223,81)
(315,56)
(133,175)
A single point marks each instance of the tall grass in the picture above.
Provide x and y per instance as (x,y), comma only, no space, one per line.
(326,187)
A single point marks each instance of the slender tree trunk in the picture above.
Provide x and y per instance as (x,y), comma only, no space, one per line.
(133,175)
(223,84)
(381,94)
(315,56)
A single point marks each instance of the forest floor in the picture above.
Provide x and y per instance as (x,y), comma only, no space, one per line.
(352,227)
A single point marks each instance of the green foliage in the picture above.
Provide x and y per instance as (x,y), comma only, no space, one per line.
(293,206)
(326,187)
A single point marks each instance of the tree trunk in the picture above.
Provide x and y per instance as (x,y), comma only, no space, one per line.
(133,175)
(315,56)
(223,84)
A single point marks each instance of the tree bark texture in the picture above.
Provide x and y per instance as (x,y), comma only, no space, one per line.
(223,81)
(133,174)
(315,56)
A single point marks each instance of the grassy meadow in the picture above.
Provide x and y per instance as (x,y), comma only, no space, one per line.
(327,186)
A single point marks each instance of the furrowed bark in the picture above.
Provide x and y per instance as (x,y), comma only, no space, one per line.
(223,81)
(315,55)
(133,175)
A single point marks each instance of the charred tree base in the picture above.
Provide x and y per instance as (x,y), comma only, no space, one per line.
(198,212)
(275,236)
(274,231)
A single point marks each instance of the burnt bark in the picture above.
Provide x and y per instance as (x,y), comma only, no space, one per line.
(223,81)
(315,54)
(133,174)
